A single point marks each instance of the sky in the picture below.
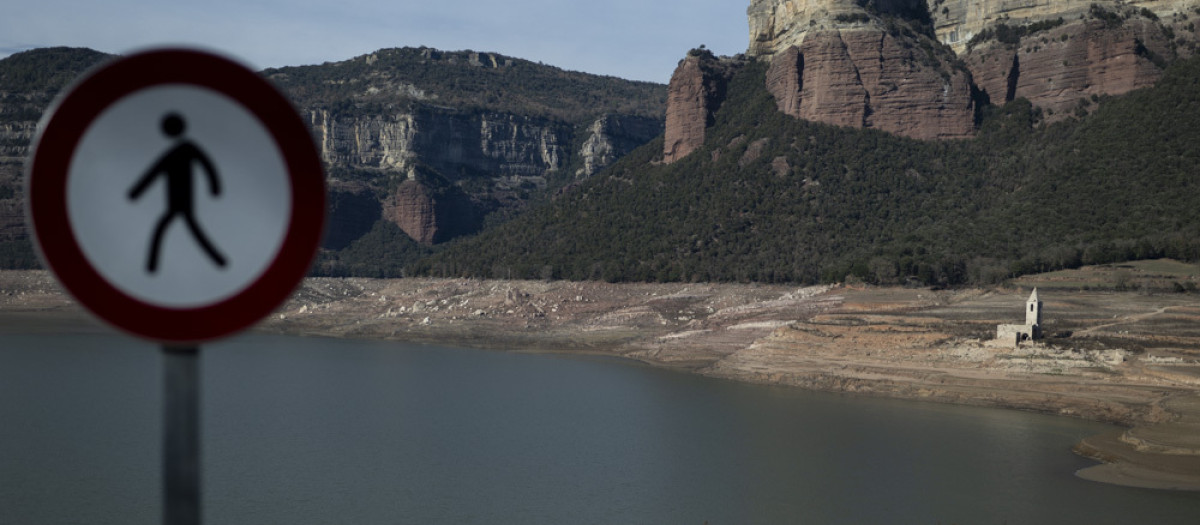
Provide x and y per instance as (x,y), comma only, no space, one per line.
(632,39)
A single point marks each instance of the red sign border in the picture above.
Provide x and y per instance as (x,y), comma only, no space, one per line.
(46,193)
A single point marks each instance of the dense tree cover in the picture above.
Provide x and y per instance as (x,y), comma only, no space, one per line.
(775,199)
(18,254)
(470,81)
(46,69)
(381,83)
(771,198)
(384,251)
(29,80)
(1012,35)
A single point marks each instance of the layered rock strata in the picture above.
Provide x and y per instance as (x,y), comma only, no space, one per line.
(871,79)
(493,158)
(958,21)
(776,25)
(696,91)
(413,209)
(874,63)
(1056,68)
(612,136)
(451,142)
(430,212)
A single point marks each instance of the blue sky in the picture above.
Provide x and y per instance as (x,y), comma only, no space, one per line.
(635,39)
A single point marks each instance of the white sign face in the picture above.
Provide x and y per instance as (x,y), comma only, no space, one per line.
(178,196)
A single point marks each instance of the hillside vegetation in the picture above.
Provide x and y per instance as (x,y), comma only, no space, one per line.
(469,81)
(770,198)
(444,86)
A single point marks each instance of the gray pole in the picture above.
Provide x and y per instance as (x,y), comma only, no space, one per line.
(181,436)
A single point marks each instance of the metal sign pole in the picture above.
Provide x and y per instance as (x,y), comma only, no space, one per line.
(181,436)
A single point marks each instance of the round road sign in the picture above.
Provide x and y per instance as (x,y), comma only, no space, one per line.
(176,194)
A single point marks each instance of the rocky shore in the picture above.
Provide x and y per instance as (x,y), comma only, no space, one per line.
(1127,358)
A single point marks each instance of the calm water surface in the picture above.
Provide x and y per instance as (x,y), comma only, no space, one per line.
(300,430)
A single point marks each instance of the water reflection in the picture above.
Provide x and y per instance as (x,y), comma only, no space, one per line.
(332,431)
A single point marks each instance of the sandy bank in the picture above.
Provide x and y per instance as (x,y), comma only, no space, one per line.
(1131,359)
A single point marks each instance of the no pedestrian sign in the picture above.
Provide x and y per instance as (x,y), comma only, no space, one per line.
(176,194)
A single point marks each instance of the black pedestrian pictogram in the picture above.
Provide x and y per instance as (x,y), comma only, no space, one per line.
(176,165)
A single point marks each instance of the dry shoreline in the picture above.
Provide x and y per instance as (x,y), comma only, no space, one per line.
(1131,359)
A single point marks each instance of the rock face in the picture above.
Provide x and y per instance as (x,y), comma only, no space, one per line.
(496,154)
(869,78)
(430,210)
(445,139)
(1060,55)
(1056,68)
(453,143)
(838,62)
(432,141)
(776,25)
(612,136)
(413,209)
(696,91)
(498,158)
(873,63)
(958,21)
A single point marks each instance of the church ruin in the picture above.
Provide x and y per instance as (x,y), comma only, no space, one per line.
(1030,331)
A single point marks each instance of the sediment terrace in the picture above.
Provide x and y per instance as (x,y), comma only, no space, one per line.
(1126,358)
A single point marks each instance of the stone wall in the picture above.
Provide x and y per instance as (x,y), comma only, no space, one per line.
(1015,334)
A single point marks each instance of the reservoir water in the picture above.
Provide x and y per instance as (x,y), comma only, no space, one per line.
(322,431)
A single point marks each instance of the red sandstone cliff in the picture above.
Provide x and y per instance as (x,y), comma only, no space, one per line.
(871,79)
(1054,69)
(431,211)
(838,62)
(411,207)
(696,91)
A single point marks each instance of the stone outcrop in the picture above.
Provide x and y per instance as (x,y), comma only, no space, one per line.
(696,91)
(412,208)
(612,136)
(430,212)
(495,157)
(374,127)
(776,25)
(872,63)
(451,142)
(958,21)
(1056,68)
(871,79)
(838,62)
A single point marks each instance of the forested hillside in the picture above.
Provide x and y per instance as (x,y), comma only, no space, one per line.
(417,143)
(466,80)
(772,198)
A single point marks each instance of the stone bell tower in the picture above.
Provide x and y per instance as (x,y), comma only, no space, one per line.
(1033,315)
